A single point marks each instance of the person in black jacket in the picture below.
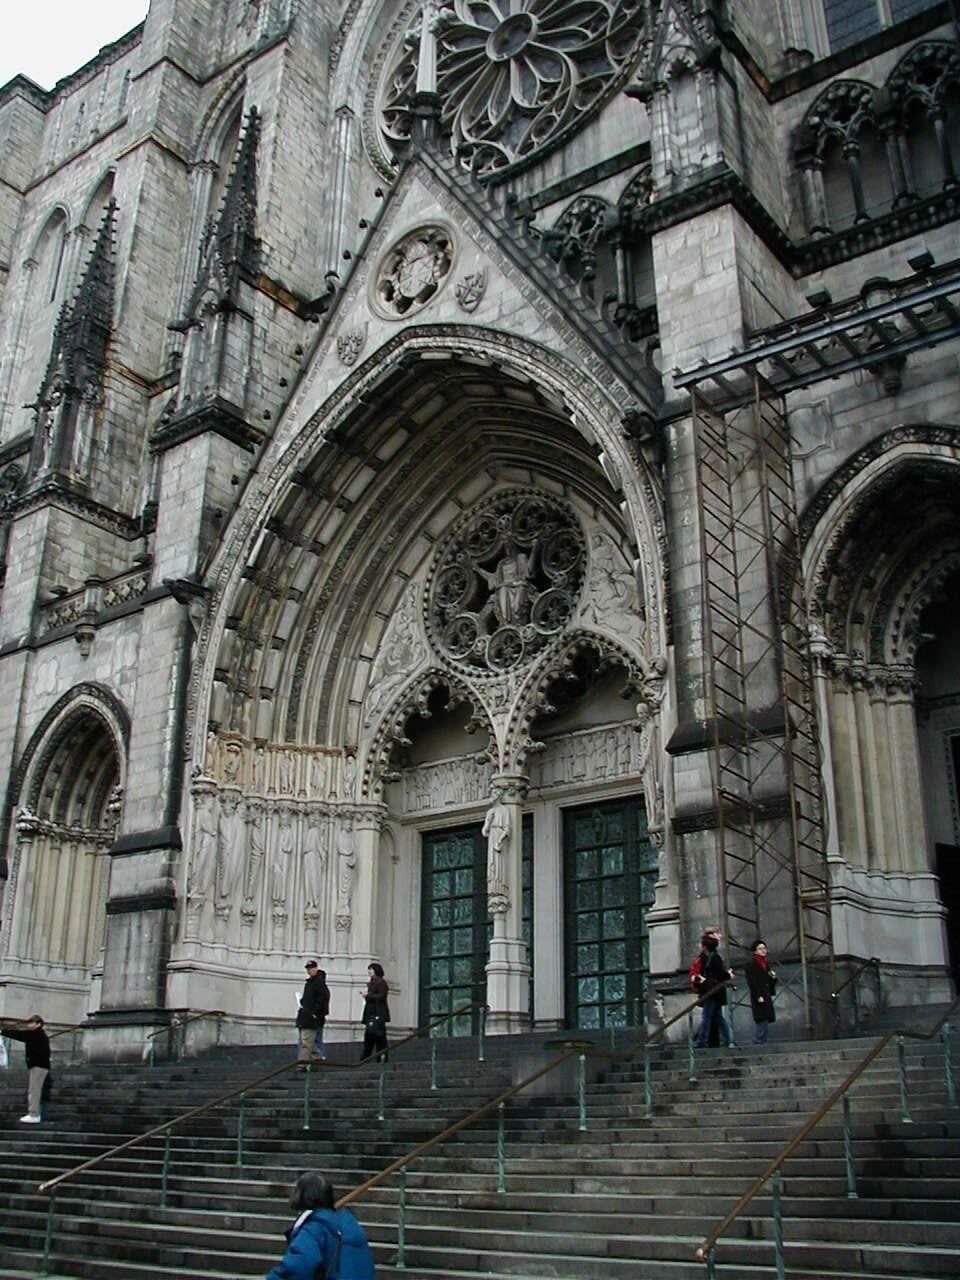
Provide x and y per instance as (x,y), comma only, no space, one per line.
(762,981)
(376,1013)
(37,1045)
(312,1014)
(714,971)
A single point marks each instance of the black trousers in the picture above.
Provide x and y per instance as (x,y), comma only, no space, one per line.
(373,1043)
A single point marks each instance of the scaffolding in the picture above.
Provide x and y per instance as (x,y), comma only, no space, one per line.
(765,770)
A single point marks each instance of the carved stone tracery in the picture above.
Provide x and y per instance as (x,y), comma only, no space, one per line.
(513,76)
(505,583)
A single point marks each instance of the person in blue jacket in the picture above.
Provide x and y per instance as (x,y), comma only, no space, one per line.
(324,1243)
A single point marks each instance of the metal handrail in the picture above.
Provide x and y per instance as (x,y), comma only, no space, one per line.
(855,975)
(176,1022)
(247,1088)
(576,1051)
(841,1090)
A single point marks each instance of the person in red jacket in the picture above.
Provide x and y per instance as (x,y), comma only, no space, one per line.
(37,1045)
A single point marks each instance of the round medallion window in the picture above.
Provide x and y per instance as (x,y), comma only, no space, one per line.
(413,271)
(506,582)
(514,77)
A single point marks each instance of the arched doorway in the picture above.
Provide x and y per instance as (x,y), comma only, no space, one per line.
(886,561)
(69,807)
(422,585)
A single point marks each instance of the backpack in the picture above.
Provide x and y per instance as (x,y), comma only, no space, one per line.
(696,975)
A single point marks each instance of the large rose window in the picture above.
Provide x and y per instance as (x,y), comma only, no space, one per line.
(514,76)
(506,582)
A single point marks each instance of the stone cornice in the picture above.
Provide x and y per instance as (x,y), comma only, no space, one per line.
(220,417)
(722,186)
(59,494)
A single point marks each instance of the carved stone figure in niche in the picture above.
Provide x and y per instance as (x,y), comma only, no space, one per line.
(287,772)
(611,590)
(232,760)
(206,843)
(211,756)
(400,654)
(346,870)
(256,854)
(314,862)
(282,863)
(230,863)
(260,770)
(318,770)
(505,582)
(349,776)
(496,828)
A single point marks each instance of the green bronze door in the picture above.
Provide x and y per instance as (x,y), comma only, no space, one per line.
(455,927)
(610,869)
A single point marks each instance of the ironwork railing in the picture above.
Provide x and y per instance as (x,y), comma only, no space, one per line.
(772,1173)
(51,1186)
(579,1051)
(177,1028)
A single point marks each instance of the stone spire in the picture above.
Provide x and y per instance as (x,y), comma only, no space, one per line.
(71,393)
(230,247)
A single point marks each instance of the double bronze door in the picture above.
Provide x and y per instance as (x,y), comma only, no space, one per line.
(609,875)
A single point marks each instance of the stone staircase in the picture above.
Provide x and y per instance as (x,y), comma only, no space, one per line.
(631,1197)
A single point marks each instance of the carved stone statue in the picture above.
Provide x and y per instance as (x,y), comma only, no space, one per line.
(230,861)
(256,853)
(206,841)
(612,592)
(282,861)
(346,871)
(496,828)
(314,863)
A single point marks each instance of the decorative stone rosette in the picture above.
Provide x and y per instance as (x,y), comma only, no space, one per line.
(505,583)
(514,76)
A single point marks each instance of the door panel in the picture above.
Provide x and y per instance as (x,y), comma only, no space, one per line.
(610,870)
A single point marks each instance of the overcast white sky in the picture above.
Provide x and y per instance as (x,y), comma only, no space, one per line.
(47,39)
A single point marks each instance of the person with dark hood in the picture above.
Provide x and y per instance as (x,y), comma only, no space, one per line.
(376,1013)
(324,1243)
(312,1014)
(762,982)
(37,1045)
(714,1000)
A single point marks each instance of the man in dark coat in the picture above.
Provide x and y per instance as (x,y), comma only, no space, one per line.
(312,1014)
(714,972)
(762,982)
(37,1045)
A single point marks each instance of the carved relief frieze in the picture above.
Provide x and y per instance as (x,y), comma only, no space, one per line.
(446,784)
(611,598)
(277,769)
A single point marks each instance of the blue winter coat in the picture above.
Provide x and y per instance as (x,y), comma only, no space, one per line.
(313,1243)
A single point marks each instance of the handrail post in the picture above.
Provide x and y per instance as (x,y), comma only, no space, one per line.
(165,1171)
(582,1091)
(848,1150)
(380,1092)
(483,1032)
(400,1264)
(691,1056)
(902,1063)
(948,1064)
(306,1095)
(240,1118)
(733,1034)
(433,1066)
(48,1236)
(501,1161)
(711,1261)
(647,1080)
(778,1225)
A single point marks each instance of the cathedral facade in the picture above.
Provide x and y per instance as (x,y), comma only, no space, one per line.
(479,491)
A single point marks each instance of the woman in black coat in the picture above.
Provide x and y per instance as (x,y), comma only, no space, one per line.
(762,982)
(376,1013)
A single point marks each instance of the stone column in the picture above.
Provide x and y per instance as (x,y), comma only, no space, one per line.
(368,823)
(869,779)
(905,752)
(821,654)
(508,970)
